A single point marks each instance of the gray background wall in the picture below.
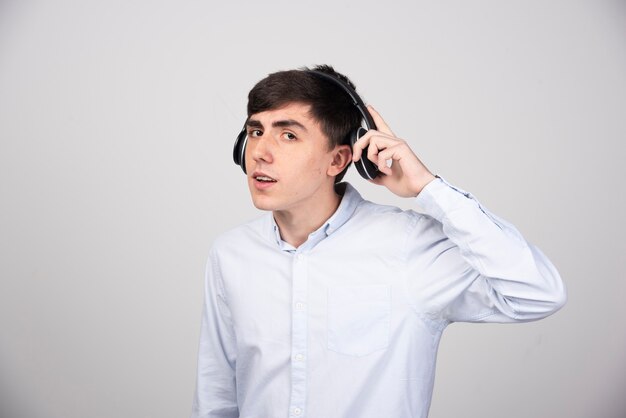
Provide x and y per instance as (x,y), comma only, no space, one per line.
(117,120)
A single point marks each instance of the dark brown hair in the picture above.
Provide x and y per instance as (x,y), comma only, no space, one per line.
(330,105)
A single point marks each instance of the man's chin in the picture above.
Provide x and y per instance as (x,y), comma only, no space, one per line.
(263,204)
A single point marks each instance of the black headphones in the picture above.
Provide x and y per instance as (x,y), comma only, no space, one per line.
(366,168)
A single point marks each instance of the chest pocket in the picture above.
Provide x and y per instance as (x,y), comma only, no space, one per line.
(358,318)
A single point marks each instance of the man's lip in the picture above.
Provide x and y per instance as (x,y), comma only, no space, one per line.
(260,173)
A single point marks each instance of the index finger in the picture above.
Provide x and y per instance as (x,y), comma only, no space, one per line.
(361,144)
(380,123)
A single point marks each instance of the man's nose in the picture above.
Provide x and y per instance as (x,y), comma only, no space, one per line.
(261,148)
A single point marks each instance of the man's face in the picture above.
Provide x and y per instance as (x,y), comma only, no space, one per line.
(287,159)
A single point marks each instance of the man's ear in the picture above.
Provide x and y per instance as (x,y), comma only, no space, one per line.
(342,156)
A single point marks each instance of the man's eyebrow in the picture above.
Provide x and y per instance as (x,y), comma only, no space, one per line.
(287,123)
(253,123)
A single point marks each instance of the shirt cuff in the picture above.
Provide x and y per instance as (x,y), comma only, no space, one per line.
(440,197)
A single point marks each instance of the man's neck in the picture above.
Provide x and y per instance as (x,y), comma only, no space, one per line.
(296,225)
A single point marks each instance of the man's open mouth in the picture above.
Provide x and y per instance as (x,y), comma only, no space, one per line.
(265,179)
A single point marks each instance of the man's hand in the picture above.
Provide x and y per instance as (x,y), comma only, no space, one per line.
(407,175)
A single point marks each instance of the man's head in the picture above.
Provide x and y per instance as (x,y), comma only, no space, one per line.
(329,104)
(294,153)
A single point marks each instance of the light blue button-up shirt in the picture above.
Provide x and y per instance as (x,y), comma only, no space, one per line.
(347,325)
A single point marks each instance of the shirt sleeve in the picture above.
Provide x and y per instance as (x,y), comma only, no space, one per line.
(473,266)
(215,395)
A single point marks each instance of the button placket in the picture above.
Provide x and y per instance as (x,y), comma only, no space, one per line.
(298,335)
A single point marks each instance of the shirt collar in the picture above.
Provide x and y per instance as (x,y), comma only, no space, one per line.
(349,201)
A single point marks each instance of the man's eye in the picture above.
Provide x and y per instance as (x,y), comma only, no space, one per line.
(289,136)
(255,132)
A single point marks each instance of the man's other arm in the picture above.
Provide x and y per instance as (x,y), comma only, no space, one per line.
(216,395)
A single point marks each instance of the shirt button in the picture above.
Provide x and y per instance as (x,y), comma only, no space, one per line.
(299,357)
(298,257)
(299,306)
(297,411)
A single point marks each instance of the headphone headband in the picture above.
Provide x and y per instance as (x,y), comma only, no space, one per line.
(356,99)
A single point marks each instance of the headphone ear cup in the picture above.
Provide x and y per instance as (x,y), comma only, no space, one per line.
(367,169)
(239,150)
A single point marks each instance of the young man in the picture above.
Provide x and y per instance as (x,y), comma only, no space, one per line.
(331,306)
